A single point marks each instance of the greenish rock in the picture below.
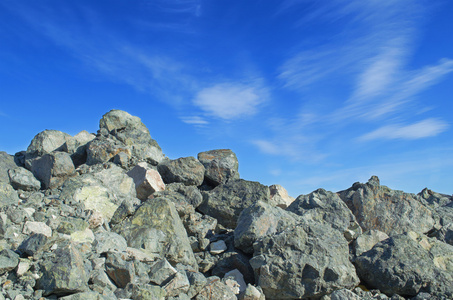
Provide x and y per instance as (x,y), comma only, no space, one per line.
(103,149)
(118,269)
(63,271)
(53,169)
(187,170)
(390,211)
(85,296)
(76,147)
(191,193)
(147,292)
(407,264)
(157,229)
(109,241)
(221,165)
(182,205)
(309,260)
(6,163)
(23,179)
(8,261)
(227,201)
(8,196)
(70,225)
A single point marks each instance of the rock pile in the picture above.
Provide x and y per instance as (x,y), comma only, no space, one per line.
(108,216)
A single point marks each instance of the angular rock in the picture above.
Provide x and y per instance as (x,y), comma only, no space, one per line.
(85,296)
(191,193)
(221,166)
(147,181)
(408,264)
(119,270)
(179,284)
(120,120)
(239,278)
(63,272)
(108,242)
(8,196)
(445,234)
(367,240)
(344,294)
(260,220)
(53,169)
(226,201)
(182,205)
(304,261)
(77,147)
(434,199)
(390,211)
(252,293)
(199,225)
(157,229)
(47,141)
(215,289)
(326,207)
(229,261)
(23,179)
(103,149)
(33,244)
(218,247)
(6,163)
(147,291)
(161,272)
(8,261)
(279,196)
(37,227)
(187,170)
(197,282)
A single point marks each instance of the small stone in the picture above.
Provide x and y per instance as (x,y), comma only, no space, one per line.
(37,227)
(218,247)
(95,220)
(23,267)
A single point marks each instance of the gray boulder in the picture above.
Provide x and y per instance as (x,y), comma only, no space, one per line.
(326,207)
(227,201)
(6,163)
(308,260)
(390,211)
(104,148)
(121,120)
(118,269)
(157,229)
(8,195)
(22,179)
(47,141)
(63,271)
(221,166)
(8,261)
(191,193)
(77,147)
(408,264)
(53,169)
(107,241)
(260,220)
(215,289)
(147,180)
(367,240)
(187,170)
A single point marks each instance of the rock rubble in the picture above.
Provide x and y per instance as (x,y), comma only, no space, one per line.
(108,216)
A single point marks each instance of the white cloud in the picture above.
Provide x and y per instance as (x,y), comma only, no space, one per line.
(422,129)
(230,100)
(194,120)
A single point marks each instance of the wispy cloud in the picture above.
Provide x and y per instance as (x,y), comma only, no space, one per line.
(422,129)
(195,120)
(231,100)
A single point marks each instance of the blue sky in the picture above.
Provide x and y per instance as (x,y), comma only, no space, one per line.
(307,93)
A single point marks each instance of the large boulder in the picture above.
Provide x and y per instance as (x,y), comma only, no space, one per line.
(187,170)
(327,207)
(305,261)
(221,166)
(121,120)
(23,179)
(53,169)
(157,229)
(8,195)
(408,264)
(77,146)
(378,207)
(259,220)
(47,141)
(6,163)
(227,201)
(104,148)
(147,180)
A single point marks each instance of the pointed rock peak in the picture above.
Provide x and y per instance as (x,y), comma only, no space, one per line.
(118,119)
(374,180)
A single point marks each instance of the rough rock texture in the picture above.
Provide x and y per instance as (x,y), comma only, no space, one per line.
(367,240)
(6,163)
(390,211)
(53,169)
(77,147)
(407,264)
(104,148)
(303,261)
(8,195)
(23,179)
(226,201)
(187,170)
(157,229)
(326,207)
(46,142)
(146,180)
(260,220)
(279,196)
(221,166)
(121,120)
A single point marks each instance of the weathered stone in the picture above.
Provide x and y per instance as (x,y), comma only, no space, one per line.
(33,244)
(309,260)
(82,236)
(103,149)
(434,199)
(23,179)
(215,289)
(96,220)
(221,166)
(77,147)
(218,247)
(259,220)
(182,204)
(252,293)
(187,170)
(85,296)
(161,272)
(8,195)
(121,120)
(279,196)
(197,282)
(109,241)
(408,264)
(8,261)
(200,225)
(344,294)
(119,270)
(37,227)
(53,169)
(367,240)
(239,278)
(191,193)
(63,271)
(326,207)
(226,201)
(390,211)
(179,284)
(147,181)
(6,163)
(147,291)
(445,234)
(232,260)
(157,229)
(71,225)
(47,141)
(23,266)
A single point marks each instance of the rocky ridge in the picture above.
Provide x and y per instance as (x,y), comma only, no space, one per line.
(109,216)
